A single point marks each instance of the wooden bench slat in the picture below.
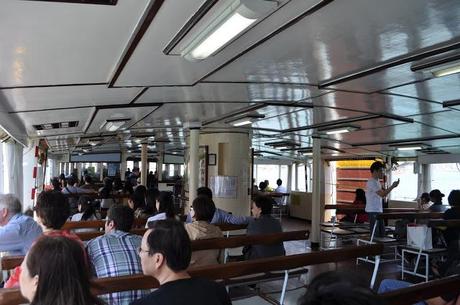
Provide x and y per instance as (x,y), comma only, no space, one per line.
(422,291)
(451,223)
(406,215)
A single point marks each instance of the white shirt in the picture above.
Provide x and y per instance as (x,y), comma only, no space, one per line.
(281,189)
(373,200)
(160,216)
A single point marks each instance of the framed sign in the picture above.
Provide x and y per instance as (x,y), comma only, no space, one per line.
(212,159)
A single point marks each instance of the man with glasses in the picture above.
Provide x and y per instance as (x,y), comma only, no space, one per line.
(115,253)
(165,255)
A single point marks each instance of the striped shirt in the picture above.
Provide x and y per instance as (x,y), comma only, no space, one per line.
(115,254)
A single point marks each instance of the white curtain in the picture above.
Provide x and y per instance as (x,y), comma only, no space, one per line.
(12,181)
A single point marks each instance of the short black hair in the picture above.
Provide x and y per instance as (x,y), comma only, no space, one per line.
(264,203)
(204,208)
(377,165)
(122,216)
(454,198)
(53,209)
(138,201)
(204,191)
(166,200)
(425,196)
(339,288)
(88,179)
(169,238)
(71,180)
(279,182)
(262,185)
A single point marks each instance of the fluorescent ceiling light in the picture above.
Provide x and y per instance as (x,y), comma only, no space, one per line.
(306,153)
(232,21)
(114,124)
(409,148)
(242,123)
(337,131)
(447,71)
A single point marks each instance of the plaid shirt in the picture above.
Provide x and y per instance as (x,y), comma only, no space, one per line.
(115,254)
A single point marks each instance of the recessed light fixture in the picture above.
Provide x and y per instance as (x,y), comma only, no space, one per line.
(410,146)
(438,66)
(245,120)
(283,145)
(229,23)
(114,124)
(338,129)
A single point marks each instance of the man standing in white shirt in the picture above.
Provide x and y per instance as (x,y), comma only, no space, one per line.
(282,190)
(374,195)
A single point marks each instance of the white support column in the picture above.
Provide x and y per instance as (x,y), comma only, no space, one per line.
(124,164)
(315,236)
(194,163)
(144,170)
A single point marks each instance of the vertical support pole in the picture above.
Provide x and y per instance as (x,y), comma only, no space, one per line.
(316,196)
(123,164)
(194,163)
(144,170)
(160,167)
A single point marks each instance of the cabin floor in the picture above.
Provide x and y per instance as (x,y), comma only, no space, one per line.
(269,292)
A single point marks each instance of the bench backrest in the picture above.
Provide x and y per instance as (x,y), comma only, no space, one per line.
(217,272)
(98,224)
(410,215)
(451,223)
(10,262)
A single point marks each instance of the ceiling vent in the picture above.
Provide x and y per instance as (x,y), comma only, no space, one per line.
(50,126)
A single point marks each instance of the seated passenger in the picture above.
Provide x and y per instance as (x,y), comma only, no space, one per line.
(17,231)
(339,288)
(263,223)
(165,255)
(52,211)
(436,198)
(220,216)
(55,271)
(280,189)
(86,212)
(74,191)
(424,202)
(164,206)
(107,193)
(452,235)
(115,253)
(448,298)
(202,212)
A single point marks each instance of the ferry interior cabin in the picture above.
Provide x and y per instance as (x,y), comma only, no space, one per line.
(337,122)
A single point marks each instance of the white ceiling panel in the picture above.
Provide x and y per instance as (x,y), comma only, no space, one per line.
(149,66)
(377,103)
(28,99)
(46,43)
(55,116)
(346,36)
(218,92)
(447,120)
(133,113)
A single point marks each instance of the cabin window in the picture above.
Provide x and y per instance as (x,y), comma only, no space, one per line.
(445,177)
(407,189)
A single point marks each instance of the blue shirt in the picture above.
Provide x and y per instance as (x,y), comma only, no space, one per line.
(17,236)
(221,216)
(115,254)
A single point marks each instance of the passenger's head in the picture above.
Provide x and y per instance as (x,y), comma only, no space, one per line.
(339,288)
(119,217)
(360,195)
(165,204)
(151,200)
(424,198)
(377,169)
(262,205)
(436,195)
(88,179)
(279,182)
(71,180)
(56,184)
(86,207)
(165,249)
(52,210)
(203,209)
(136,201)
(107,183)
(55,271)
(9,206)
(262,186)
(454,198)
(117,184)
(204,191)
(141,190)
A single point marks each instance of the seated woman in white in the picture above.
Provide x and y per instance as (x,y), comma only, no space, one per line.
(165,208)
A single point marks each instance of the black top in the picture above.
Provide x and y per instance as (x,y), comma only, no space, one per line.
(452,235)
(265,224)
(453,269)
(192,291)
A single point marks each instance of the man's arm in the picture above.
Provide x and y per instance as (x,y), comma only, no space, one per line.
(384,192)
(10,239)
